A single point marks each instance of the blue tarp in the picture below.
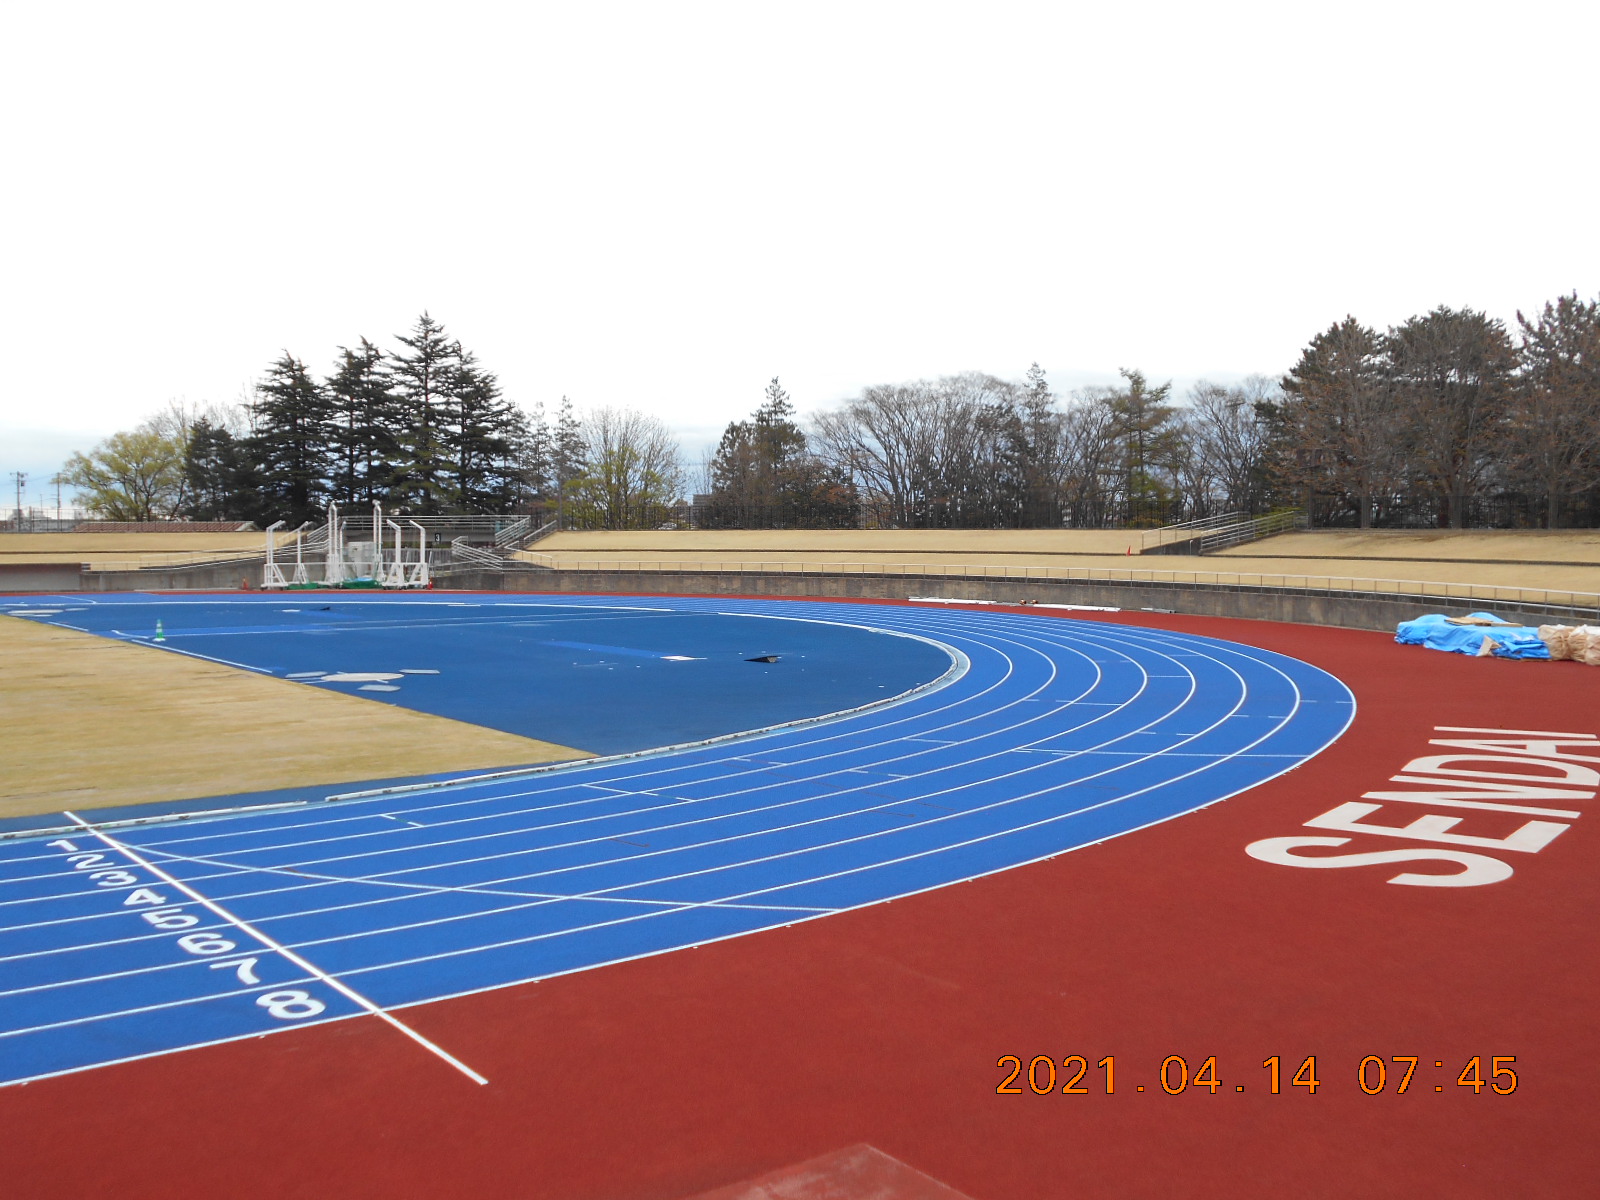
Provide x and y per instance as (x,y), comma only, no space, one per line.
(1435,631)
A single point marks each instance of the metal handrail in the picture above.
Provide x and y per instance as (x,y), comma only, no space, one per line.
(1182,530)
(1254,529)
(540,533)
(462,552)
(513,533)
(176,563)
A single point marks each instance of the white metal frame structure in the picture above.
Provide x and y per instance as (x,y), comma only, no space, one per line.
(417,574)
(391,565)
(333,570)
(271,573)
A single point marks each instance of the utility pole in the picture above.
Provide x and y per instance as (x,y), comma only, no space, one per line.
(20,478)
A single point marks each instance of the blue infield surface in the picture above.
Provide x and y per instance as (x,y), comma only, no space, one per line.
(603,677)
(988,740)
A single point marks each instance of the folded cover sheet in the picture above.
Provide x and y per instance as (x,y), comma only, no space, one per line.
(1437,632)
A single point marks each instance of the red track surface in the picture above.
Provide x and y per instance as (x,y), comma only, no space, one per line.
(666,1077)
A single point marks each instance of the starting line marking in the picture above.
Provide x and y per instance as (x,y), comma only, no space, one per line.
(273,944)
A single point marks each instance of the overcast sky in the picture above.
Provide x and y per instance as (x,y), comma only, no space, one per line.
(666,204)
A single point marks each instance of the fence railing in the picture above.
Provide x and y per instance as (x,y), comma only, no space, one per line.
(174,562)
(1494,510)
(28,521)
(512,534)
(463,554)
(1253,530)
(1183,531)
(523,533)
(1480,593)
(539,534)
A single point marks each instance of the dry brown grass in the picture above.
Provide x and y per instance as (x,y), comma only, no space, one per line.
(108,551)
(90,723)
(1509,546)
(1315,559)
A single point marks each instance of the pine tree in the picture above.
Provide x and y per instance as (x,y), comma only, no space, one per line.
(292,422)
(568,452)
(484,432)
(778,440)
(754,479)
(421,378)
(1149,442)
(364,442)
(220,480)
(535,456)
(1035,440)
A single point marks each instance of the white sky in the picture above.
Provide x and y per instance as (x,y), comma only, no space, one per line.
(666,204)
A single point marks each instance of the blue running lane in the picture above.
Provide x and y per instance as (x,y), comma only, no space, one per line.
(1043,735)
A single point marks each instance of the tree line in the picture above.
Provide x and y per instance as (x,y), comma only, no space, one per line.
(1447,410)
(1446,419)
(423,429)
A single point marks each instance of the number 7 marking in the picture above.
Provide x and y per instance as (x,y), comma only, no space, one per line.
(1406,1082)
(245,966)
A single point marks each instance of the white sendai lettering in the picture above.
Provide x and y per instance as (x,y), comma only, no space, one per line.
(1477,869)
(1529,839)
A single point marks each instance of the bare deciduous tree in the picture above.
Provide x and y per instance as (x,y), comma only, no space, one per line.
(943,452)
(631,472)
(1226,436)
(136,475)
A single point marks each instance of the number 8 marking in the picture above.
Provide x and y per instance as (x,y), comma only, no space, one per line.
(290,1005)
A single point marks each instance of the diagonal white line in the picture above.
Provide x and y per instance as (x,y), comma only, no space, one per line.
(239,923)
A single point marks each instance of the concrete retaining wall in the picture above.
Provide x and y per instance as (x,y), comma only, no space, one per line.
(40,577)
(221,577)
(1350,610)
(1305,606)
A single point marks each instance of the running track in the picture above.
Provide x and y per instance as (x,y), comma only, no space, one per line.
(668,1076)
(1045,735)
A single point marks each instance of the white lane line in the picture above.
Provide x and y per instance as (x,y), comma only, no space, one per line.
(784,781)
(1281,722)
(517,878)
(721,778)
(1236,755)
(650,768)
(68,1022)
(112,1062)
(711,776)
(337,985)
(945,848)
(142,640)
(400,890)
(598,896)
(536,901)
(650,763)
(722,901)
